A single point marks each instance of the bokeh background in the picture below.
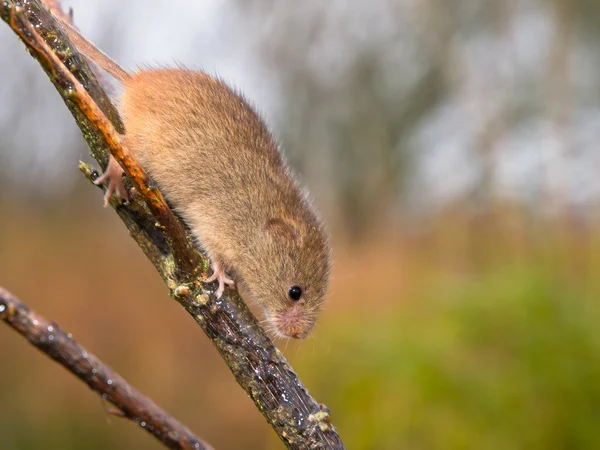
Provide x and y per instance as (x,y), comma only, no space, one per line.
(452,147)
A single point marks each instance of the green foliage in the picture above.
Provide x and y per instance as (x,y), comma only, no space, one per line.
(507,361)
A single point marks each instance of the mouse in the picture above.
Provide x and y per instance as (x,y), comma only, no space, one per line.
(220,168)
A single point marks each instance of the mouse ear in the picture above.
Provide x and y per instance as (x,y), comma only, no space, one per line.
(283,228)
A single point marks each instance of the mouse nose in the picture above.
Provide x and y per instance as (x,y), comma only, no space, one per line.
(293,322)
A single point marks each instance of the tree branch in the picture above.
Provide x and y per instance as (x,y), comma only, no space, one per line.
(258,366)
(184,255)
(61,347)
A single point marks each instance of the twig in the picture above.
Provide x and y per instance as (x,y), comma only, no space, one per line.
(60,346)
(258,366)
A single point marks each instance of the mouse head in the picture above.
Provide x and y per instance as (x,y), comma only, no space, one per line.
(295,253)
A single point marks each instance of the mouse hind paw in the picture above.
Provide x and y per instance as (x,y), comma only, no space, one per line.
(114,176)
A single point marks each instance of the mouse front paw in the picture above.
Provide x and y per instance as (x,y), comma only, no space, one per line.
(220,276)
(114,176)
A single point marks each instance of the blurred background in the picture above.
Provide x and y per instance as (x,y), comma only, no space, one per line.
(453,150)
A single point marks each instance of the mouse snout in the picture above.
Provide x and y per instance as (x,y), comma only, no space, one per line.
(293,322)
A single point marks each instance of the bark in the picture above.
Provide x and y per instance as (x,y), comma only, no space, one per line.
(258,366)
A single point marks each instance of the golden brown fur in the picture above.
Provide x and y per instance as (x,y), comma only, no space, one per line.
(219,166)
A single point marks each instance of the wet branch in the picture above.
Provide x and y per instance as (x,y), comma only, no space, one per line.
(61,347)
(258,366)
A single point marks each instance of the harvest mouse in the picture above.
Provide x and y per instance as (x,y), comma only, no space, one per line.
(221,170)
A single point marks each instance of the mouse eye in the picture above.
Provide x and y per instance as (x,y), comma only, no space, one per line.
(295,293)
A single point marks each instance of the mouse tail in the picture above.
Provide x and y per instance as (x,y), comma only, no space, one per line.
(93,53)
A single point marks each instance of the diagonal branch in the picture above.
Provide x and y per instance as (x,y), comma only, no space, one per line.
(183,253)
(60,346)
(258,366)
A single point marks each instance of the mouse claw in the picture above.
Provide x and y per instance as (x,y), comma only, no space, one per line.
(114,176)
(220,276)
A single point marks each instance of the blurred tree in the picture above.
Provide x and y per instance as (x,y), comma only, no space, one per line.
(386,107)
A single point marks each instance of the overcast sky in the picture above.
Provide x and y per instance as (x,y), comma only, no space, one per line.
(494,70)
